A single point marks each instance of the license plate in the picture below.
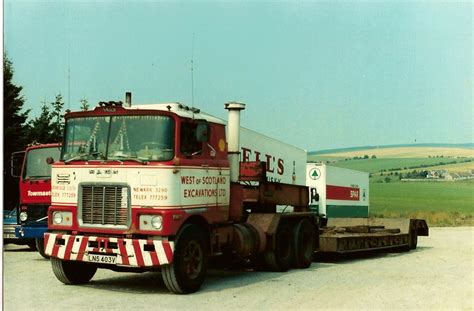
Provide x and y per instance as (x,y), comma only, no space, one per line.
(107,259)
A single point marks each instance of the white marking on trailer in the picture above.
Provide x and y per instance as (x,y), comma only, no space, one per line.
(161,252)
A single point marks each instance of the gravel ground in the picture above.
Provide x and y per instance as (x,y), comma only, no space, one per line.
(438,275)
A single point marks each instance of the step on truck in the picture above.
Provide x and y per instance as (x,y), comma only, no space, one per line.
(167,187)
(34,172)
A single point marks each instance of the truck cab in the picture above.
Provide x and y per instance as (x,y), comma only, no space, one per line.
(34,172)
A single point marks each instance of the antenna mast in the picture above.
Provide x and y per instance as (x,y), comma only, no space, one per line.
(69,76)
(68,87)
(192,73)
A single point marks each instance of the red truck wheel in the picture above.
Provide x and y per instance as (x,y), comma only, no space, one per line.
(187,271)
(305,235)
(40,248)
(72,272)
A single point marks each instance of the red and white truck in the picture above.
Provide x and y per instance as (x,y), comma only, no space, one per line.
(163,186)
(166,187)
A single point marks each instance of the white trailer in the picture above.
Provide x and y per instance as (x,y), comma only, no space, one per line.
(284,163)
(337,192)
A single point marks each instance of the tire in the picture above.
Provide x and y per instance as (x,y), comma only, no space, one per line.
(413,239)
(72,272)
(40,248)
(280,258)
(32,245)
(304,242)
(189,267)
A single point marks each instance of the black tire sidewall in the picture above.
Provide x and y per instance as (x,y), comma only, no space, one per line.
(304,241)
(284,245)
(189,233)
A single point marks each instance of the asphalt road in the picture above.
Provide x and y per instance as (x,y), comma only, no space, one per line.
(438,275)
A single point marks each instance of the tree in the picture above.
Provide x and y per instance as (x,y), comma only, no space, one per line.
(40,126)
(84,104)
(49,125)
(15,129)
(57,125)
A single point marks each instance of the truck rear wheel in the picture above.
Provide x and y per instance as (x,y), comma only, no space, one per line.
(40,248)
(281,257)
(72,272)
(187,271)
(304,241)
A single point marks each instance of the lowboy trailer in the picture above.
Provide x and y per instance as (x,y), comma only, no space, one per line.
(166,187)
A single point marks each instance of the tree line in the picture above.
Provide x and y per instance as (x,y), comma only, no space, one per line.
(19,130)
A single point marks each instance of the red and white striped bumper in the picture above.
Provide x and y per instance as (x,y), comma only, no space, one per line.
(129,252)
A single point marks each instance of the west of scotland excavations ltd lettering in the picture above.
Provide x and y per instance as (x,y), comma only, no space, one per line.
(203,192)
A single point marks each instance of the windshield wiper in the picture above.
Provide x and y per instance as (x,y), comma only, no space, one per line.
(38,177)
(96,154)
(129,158)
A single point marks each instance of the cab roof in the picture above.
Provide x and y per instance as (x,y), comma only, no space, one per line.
(180,109)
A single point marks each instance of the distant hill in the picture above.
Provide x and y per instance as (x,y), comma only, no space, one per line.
(400,151)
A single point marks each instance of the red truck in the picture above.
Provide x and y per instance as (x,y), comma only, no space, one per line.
(166,187)
(34,174)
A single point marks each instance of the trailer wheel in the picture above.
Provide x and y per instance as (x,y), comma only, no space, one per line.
(413,239)
(304,241)
(187,271)
(281,257)
(40,248)
(72,272)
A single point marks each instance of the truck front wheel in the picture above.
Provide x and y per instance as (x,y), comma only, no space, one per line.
(72,272)
(40,248)
(187,271)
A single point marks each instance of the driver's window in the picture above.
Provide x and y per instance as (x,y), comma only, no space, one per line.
(189,143)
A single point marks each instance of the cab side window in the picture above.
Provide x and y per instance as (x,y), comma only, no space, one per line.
(189,144)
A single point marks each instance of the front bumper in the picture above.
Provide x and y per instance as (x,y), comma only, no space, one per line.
(129,252)
(9,232)
(36,232)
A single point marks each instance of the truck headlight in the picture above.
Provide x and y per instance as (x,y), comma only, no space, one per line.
(57,218)
(157,222)
(62,218)
(23,216)
(151,222)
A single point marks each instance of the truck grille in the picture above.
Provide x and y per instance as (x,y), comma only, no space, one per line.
(105,205)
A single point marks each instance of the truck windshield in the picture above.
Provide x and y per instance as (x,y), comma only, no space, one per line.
(139,138)
(36,166)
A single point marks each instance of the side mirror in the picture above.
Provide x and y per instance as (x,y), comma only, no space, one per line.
(49,160)
(202,132)
(16,163)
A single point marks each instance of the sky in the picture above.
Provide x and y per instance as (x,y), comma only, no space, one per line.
(318,75)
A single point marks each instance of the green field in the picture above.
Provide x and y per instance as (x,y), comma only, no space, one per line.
(376,165)
(440,203)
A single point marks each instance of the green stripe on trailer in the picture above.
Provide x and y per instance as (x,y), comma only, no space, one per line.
(356,211)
